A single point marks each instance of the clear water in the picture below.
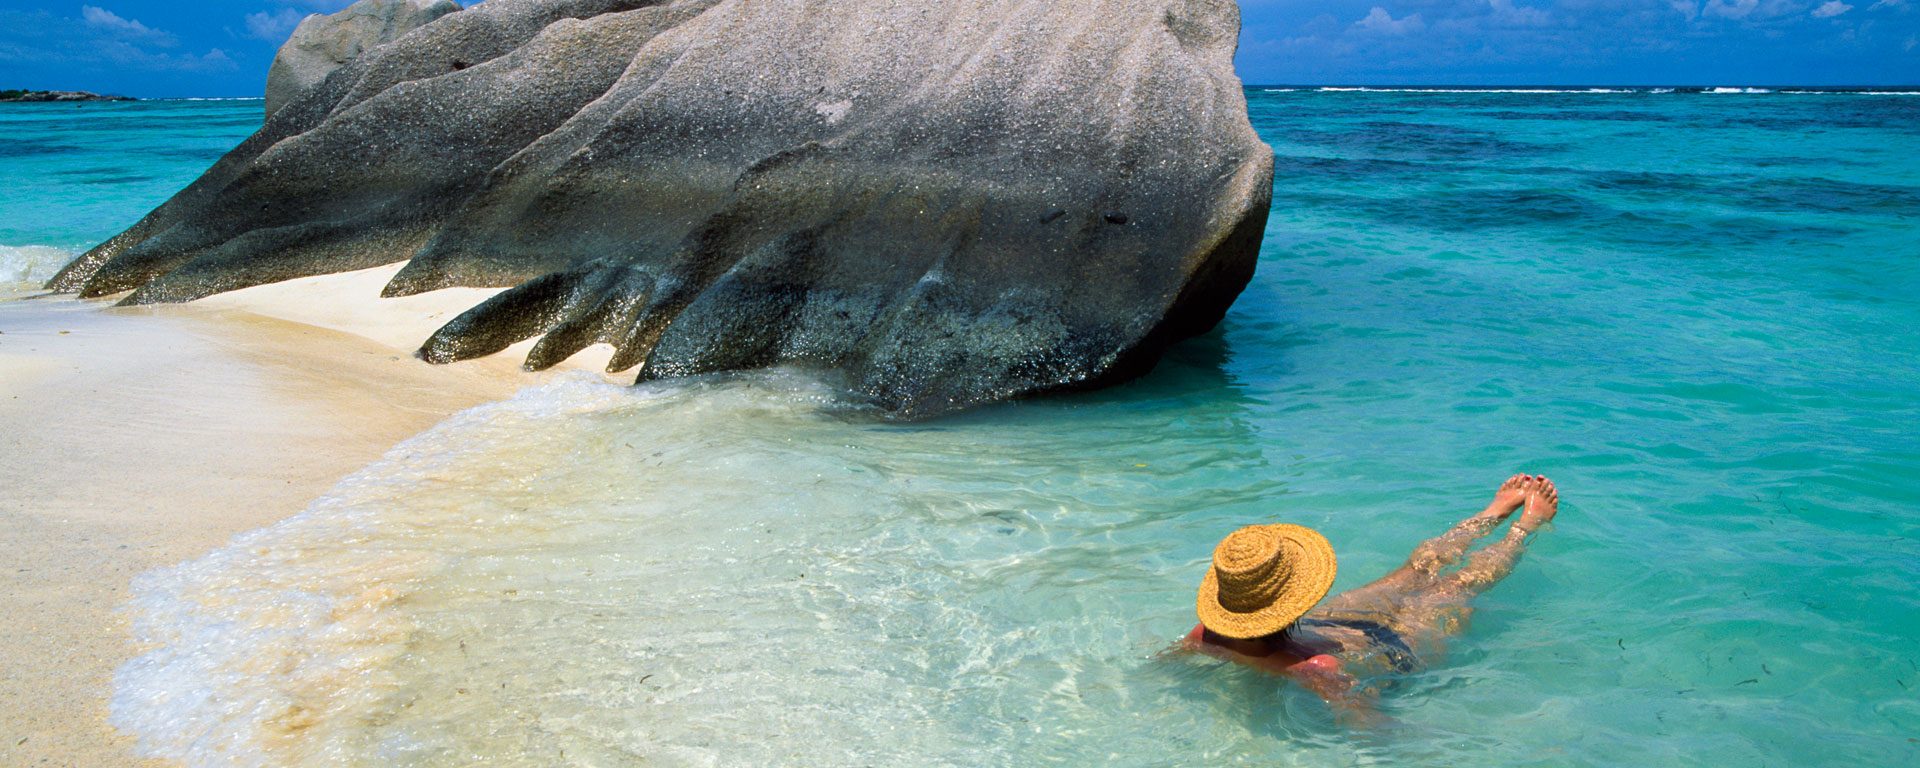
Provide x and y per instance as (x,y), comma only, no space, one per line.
(1696,311)
(72,175)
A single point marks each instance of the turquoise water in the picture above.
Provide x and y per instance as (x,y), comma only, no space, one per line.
(1695,311)
(76,174)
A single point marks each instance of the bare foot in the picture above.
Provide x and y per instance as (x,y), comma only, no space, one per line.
(1511,495)
(1543,502)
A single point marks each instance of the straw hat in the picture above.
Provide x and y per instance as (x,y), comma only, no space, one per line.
(1263,578)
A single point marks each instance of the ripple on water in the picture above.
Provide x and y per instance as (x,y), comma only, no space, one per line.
(722,573)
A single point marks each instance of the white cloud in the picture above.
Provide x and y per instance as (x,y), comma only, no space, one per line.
(127,54)
(125,29)
(1756,10)
(273,27)
(1381,22)
(1831,9)
(214,60)
(1687,8)
(1729,9)
(1508,14)
(1887,4)
(98,38)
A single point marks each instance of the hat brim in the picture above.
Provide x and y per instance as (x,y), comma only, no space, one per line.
(1313,567)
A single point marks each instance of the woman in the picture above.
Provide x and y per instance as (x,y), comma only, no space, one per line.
(1258,603)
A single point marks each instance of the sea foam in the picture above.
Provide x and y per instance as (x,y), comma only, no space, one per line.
(31,263)
(262,652)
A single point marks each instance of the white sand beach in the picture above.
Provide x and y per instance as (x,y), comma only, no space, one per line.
(132,438)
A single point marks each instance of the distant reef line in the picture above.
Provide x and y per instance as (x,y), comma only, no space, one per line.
(21,94)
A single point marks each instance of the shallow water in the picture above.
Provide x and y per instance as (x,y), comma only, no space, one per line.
(72,175)
(1694,311)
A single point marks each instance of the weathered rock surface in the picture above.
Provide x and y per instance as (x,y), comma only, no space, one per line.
(949,202)
(324,42)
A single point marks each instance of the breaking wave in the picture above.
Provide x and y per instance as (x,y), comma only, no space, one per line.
(31,263)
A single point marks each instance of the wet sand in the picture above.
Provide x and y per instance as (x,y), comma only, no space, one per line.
(136,438)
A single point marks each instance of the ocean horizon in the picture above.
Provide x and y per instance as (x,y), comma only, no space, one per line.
(1697,314)
(1697,87)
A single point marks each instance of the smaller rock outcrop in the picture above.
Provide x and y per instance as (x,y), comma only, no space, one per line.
(324,42)
(43,96)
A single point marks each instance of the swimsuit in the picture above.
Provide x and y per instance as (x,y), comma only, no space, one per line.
(1391,646)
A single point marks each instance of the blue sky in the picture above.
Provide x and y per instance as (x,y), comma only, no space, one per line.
(223,47)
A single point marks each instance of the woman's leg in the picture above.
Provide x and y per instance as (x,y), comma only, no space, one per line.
(1491,564)
(1439,605)
(1438,553)
(1431,557)
(1442,609)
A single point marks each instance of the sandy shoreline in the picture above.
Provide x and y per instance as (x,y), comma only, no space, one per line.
(137,438)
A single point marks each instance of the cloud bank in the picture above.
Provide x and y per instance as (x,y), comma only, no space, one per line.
(1579,42)
(98,39)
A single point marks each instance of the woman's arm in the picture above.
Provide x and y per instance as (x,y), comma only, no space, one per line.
(1353,705)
